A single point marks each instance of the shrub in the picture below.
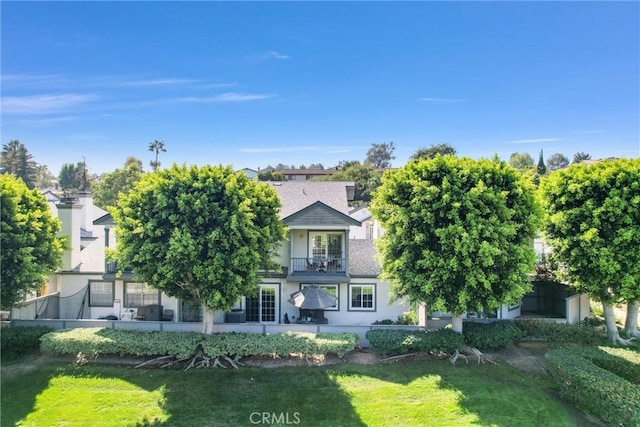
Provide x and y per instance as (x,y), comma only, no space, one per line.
(561,332)
(18,342)
(602,380)
(400,341)
(120,341)
(95,341)
(491,335)
(246,344)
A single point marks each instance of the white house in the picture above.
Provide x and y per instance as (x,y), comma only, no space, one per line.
(319,251)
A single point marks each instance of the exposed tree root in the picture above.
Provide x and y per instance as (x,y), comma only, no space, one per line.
(624,342)
(152,361)
(394,358)
(480,356)
(199,360)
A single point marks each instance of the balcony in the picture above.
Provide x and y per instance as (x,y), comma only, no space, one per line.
(111,269)
(318,270)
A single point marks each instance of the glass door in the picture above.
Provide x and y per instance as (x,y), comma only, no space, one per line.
(264,307)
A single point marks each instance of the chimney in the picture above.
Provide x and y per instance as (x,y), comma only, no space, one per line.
(85,199)
(70,216)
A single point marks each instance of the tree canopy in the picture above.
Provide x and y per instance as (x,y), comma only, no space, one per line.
(521,161)
(107,191)
(580,156)
(433,150)
(16,160)
(458,233)
(379,156)
(557,161)
(31,250)
(73,177)
(199,234)
(593,225)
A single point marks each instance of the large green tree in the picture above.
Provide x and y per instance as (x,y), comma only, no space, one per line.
(31,249)
(593,225)
(73,177)
(379,156)
(458,233)
(111,185)
(522,162)
(432,151)
(557,161)
(16,160)
(200,234)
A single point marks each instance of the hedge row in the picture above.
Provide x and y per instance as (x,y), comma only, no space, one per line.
(18,342)
(184,344)
(580,333)
(400,341)
(603,381)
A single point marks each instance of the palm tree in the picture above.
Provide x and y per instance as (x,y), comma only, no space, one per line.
(156,146)
(15,159)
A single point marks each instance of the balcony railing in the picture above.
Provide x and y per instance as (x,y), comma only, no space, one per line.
(112,268)
(319,265)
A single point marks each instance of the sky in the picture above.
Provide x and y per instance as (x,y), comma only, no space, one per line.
(253,84)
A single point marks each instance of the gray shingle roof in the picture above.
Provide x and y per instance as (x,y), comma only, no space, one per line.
(297,195)
(362,258)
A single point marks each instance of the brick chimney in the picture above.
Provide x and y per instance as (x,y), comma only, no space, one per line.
(70,216)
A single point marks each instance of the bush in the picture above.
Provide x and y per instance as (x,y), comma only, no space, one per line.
(96,341)
(401,341)
(18,342)
(602,380)
(246,344)
(491,335)
(584,334)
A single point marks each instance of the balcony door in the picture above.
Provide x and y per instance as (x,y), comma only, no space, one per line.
(263,308)
(326,246)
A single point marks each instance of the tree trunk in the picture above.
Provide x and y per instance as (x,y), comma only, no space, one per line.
(612,328)
(631,323)
(207,319)
(456,323)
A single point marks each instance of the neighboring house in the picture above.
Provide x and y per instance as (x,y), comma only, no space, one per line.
(319,251)
(306,174)
(251,173)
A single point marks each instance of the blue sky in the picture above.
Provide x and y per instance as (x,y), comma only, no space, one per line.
(252,84)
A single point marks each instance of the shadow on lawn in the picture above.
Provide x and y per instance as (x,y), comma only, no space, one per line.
(204,397)
(497,395)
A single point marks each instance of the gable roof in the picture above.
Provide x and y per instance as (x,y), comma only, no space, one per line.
(319,214)
(297,195)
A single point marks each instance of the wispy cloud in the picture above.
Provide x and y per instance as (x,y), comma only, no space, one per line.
(227,97)
(155,82)
(39,104)
(442,100)
(532,141)
(275,55)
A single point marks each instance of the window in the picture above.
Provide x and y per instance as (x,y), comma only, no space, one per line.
(137,294)
(331,290)
(362,297)
(101,293)
(326,245)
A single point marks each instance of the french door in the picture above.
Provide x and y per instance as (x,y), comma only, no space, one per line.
(263,308)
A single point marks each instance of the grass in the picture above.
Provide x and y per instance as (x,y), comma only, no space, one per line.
(417,393)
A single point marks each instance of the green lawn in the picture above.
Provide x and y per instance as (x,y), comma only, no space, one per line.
(431,393)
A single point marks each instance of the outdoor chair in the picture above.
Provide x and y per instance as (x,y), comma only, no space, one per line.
(167,315)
